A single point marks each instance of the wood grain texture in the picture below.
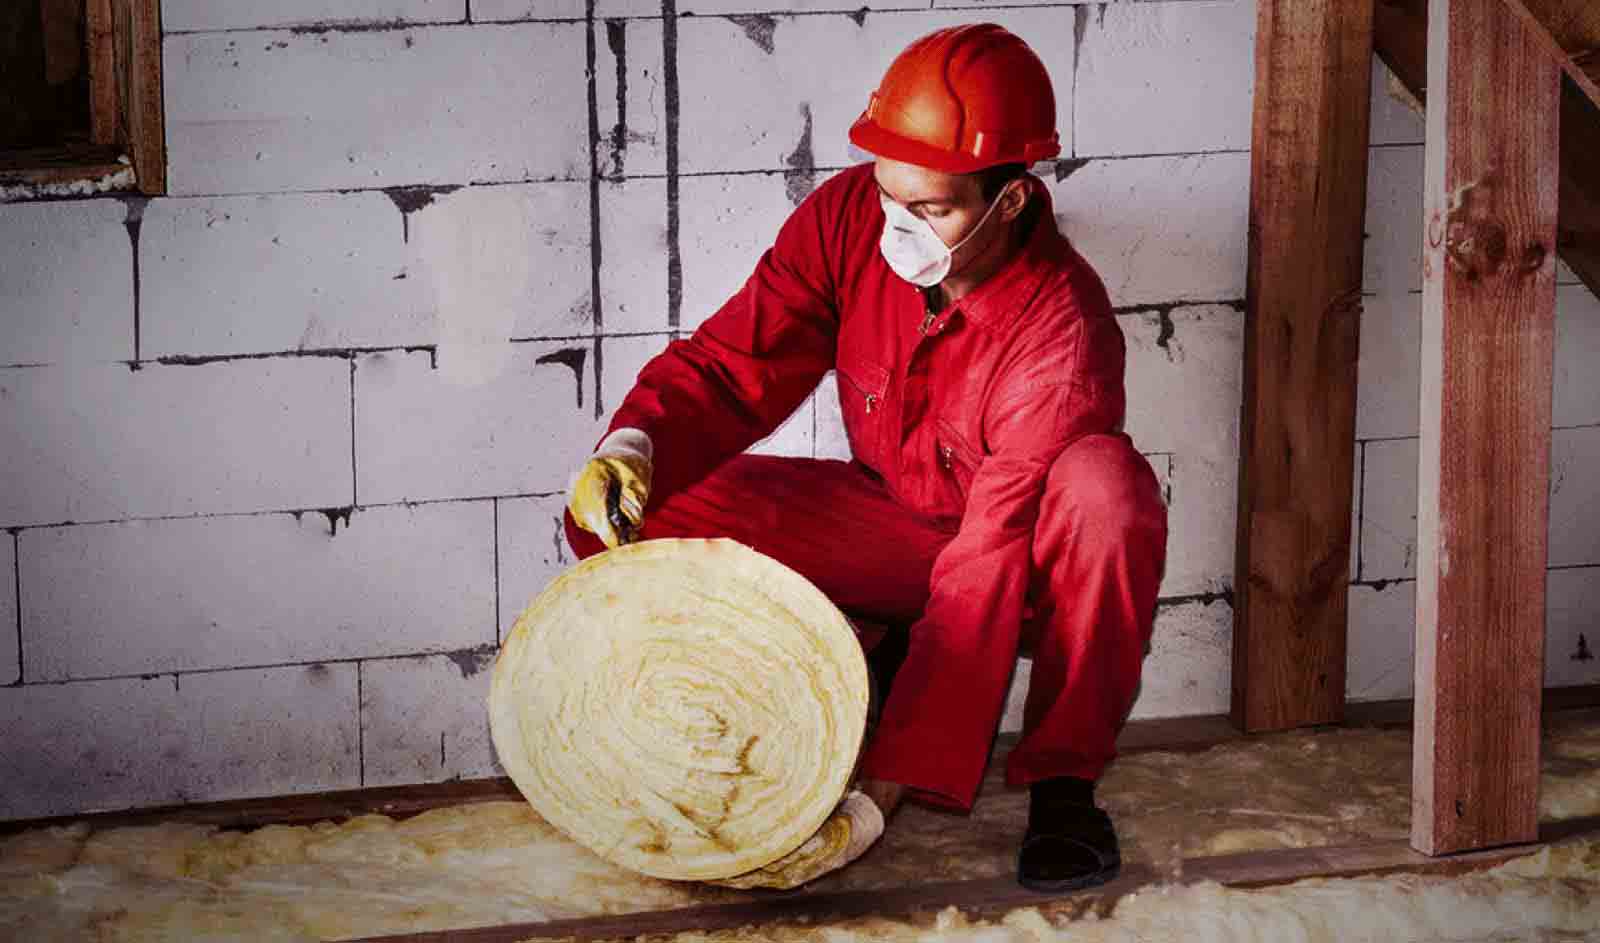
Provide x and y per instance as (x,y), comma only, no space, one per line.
(1570,29)
(103,119)
(1303,309)
(1401,40)
(1488,330)
(142,117)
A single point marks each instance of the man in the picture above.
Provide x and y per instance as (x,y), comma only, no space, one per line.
(992,502)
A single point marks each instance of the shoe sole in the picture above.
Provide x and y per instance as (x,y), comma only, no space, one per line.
(1063,885)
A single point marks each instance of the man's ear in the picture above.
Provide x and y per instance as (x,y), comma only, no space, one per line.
(1013,199)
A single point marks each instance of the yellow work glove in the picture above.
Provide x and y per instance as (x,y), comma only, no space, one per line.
(608,494)
(844,837)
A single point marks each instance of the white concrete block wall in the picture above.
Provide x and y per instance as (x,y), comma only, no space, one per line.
(1165,78)
(10,650)
(182,16)
(66,283)
(419,249)
(103,442)
(266,111)
(422,718)
(153,741)
(181,595)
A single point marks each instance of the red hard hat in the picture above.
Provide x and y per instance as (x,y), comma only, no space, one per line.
(962,99)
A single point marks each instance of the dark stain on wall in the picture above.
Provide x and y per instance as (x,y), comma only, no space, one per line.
(572,357)
(801,177)
(759,27)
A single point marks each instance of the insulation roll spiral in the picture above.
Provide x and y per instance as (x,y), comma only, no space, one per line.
(689,709)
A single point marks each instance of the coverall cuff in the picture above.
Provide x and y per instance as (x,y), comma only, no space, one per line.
(934,772)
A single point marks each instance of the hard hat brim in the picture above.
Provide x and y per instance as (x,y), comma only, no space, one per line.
(873,138)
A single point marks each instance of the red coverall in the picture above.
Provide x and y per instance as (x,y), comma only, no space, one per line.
(992,499)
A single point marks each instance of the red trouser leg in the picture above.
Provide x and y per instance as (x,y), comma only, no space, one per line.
(832,522)
(1098,553)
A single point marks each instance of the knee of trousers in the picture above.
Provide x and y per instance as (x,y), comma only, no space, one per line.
(1102,496)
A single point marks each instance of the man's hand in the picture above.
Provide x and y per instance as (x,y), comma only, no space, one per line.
(852,828)
(610,491)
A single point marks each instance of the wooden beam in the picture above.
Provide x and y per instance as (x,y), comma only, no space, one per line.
(1308,176)
(992,897)
(1401,38)
(100,41)
(1570,29)
(1488,333)
(137,25)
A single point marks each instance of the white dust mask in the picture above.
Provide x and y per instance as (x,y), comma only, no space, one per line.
(912,248)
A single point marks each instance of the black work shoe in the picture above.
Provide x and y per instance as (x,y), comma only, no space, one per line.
(1070,844)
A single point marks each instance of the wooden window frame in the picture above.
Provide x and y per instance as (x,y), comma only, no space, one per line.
(127,127)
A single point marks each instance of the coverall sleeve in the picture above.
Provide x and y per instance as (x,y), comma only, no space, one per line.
(945,705)
(711,396)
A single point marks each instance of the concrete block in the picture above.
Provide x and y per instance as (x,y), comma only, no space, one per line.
(1577,393)
(1575,497)
(1382,642)
(1164,78)
(1355,511)
(498,262)
(274,111)
(1387,377)
(1572,639)
(1159,229)
(795,437)
(1565,275)
(425,719)
(1389,504)
(100,745)
(725,223)
(179,16)
(106,443)
(1197,349)
(260,274)
(423,435)
(754,98)
(778,7)
(10,650)
(831,441)
(66,282)
(1190,662)
(533,551)
(630,96)
(623,357)
(1393,119)
(461,269)
(1388,535)
(633,253)
(504,11)
(1392,260)
(180,595)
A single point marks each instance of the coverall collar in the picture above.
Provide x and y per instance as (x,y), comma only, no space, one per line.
(1005,293)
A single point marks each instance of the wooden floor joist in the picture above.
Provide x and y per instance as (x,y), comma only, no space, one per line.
(1488,346)
(991,897)
(1570,30)
(1302,328)
(1400,36)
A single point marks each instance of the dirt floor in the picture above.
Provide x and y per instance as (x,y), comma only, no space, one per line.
(492,863)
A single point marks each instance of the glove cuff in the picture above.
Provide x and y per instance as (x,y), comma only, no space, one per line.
(627,442)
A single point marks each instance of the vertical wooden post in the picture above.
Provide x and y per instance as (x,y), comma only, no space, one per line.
(1487,350)
(137,25)
(1308,177)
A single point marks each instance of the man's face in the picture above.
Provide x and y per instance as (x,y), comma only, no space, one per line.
(952,204)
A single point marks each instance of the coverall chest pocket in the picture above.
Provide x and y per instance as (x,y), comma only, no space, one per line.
(862,387)
(955,457)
